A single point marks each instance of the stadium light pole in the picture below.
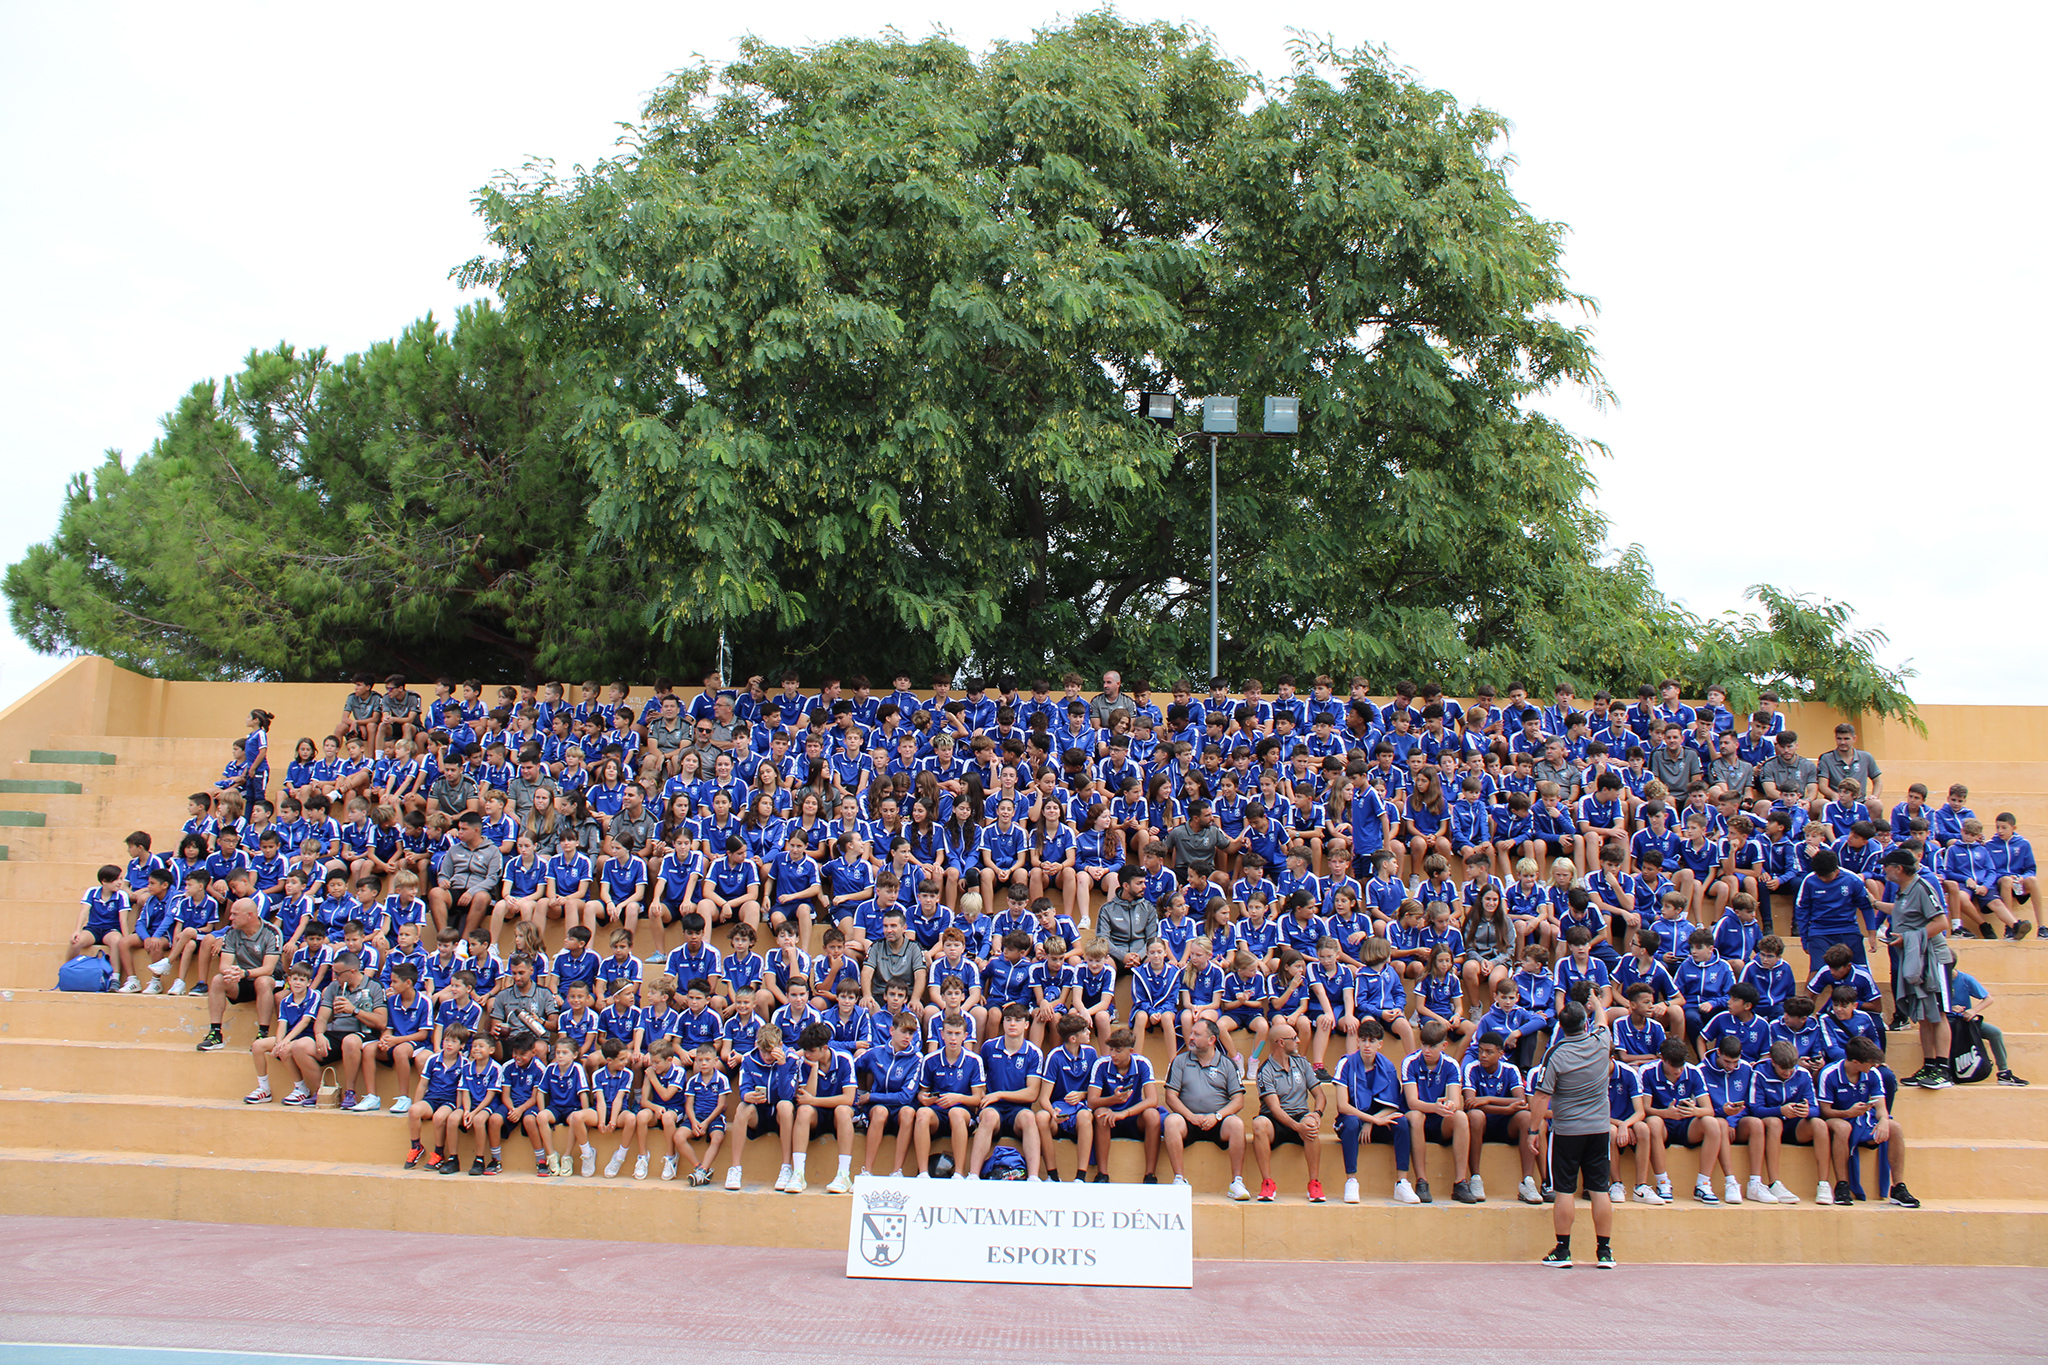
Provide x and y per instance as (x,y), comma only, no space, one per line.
(1219,419)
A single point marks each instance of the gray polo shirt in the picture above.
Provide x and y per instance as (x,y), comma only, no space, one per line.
(1205,1089)
(366,997)
(1859,766)
(520,791)
(538,1001)
(1102,708)
(1195,848)
(1731,773)
(1291,1084)
(633,832)
(1675,771)
(893,966)
(248,950)
(1564,774)
(1792,775)
(1575,1075)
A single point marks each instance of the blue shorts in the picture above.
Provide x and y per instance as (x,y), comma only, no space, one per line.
(1678,1132)
(1063,1123)
(1007,1117)
(1132,1128)
(1243,1017)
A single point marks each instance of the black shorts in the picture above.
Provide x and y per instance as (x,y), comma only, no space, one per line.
(334,1041)
(1432,1130)
(1679,1133)
(1793,1124)
(1282,1134)
(1011,1118)
(1209,1135)
(1576,1155)
(1132,1128)
(1497,1128)
(244,992)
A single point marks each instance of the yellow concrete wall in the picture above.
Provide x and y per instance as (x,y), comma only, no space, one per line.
(93,696)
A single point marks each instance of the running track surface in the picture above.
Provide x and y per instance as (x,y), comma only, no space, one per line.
(120,1292)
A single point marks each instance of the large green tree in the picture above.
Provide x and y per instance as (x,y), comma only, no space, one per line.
(412,508)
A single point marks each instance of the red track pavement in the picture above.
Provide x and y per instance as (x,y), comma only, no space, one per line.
(511,1301)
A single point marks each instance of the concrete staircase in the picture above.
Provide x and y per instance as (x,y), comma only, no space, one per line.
(107,1109)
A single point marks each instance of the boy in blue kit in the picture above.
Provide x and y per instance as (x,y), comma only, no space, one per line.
(102,922)
(1497,1110)
(1852,1100)
(1799,1027)
(1519,1030)
(618,1109)
(1579,964)
(825,1091)
(950,1093)
(893,1069)
(1831,909)
(1704,980)
(1062,1104)
(1738,932)
(1638,1039)
(1370,1108)
(1011,1065)
(479,1109)
(524,1079)
(1845,1021)
(1629,1129)
(703,1115)
(436,1104)
(1123,1097)
(698,1024)
(2018,880)
(1740,1021)
(1968,1000)
(1840,968)
(575,965)
(1681,1113)
(1781,1099)
(1771,976)
(1432,1100)
(408,1028)
(566,1100)
(1730,1081)
(663,1100)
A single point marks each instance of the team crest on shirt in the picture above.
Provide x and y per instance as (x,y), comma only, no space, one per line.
(884,1227)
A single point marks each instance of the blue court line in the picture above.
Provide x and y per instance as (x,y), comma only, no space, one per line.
(36,1353)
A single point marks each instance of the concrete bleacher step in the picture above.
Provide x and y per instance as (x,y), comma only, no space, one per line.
(196,754)
(91,758)
(1945,1167)
(88,1182)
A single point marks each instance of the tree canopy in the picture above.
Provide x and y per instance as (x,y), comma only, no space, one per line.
(837,355)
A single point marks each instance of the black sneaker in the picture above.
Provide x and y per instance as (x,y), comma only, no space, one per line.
(1151,1179)
(1422,1192)
(263,1030)
(2024,929)
(1549,1195)
(1462,1193)
(1323,1076)
(1052,1175)
(415,1157)
(1985,930)
(2007,1078)
(1937,1079)
(2011,934)
(1603,1258)
(1102,1177)
(212,1042)
(450,1165)
(1844,1196)
(1560,1258)
(478,1166)
(495,1167)
(1898,1024)
(1903,1197)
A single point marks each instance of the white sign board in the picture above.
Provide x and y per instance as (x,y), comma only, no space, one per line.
(1021,1232)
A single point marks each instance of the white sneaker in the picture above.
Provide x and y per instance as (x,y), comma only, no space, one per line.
(1404,1193)
(924,1175)
(1664,1188)
(1781,1194)
(589,1162)
(657,959)
(177,987)
(668,1168)
(1646,1195)
(1180,1180)
(401,1105)
(640,1168)
(1731,1193)
(368,1104)
(1351,1190)
(1617,1193)
(155,987)
(131,986)
(1238,1191)
(299,1092)
(841,1184)
(1527,1191)
(1478,1186)
(557,1164)
(1703,1191)
(1756,1192)
(1824,1195)
(782,1179)
(260,1095)
(160,966)
(732,1177)
(611,1168)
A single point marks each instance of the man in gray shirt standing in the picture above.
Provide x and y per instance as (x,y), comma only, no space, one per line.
(1204,1092)
(1574,1091)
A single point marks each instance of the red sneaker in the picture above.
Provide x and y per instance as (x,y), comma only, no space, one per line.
(1315,1191)
(1268,1191)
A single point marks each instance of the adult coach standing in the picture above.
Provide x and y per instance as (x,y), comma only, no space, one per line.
(1574,1090)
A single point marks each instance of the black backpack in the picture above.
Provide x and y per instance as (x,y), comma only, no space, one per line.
(1967,1052)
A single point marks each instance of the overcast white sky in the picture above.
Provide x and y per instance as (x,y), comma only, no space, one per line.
(1813,232)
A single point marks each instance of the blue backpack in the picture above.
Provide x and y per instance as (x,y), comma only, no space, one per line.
(1005,1163)
(89,972)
